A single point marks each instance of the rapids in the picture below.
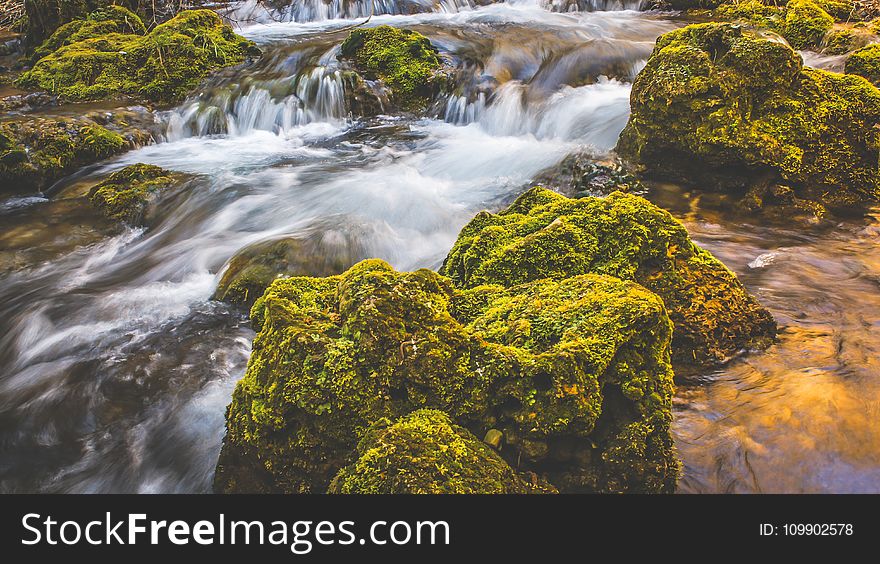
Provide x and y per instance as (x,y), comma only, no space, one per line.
(118,366)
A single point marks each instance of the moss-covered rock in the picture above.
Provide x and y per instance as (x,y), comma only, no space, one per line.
(843,40)
(866,63)
(720,105)
(840,10)
(575,374)
(802,23)
(426,453)
(405,61)
(125,194)
(252,269)
(546,235)
(111,19)
(805,24)
(163,65)
(36,152)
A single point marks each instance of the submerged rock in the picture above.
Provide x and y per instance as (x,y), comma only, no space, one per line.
(162,66)
(546,235)
(720,105)
(125,195)
(404,61)
(866,63)
(254,268)
(426,453)
(38,151)
(581,175)
(574,373)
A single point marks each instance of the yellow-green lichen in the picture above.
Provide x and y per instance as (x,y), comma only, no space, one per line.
(546,235)
(561,368)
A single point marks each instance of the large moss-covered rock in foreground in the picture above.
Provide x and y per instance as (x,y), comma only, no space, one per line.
(426,453)
(125,194)
(720,105)
(546,235)
(162,66)
(36,152)
(252,269)
(573,374)
(866,63)
(404,61)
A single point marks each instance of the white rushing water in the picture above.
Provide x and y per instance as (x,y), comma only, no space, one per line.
(118,364)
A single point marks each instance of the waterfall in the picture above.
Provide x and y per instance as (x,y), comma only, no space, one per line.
(320,10)
(311,96)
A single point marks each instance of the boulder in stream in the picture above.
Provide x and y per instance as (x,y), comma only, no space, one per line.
(546,235)
(866,63)
(723,107)
(125,195)
(37,151)
(405,62)
(254,268)
(574,374)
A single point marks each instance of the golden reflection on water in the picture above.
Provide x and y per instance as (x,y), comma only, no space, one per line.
(802,416)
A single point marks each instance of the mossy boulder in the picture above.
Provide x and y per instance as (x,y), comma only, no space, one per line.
(724,107)
(112,19)
(252,269)
(36,152)
(404,61)
(840,10)
(546,235)
(161,66)
(125,195)
(844,40)
(426,453)
(866,63)
(803,23)
(574,374)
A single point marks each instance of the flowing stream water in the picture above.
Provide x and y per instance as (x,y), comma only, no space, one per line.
(117,365)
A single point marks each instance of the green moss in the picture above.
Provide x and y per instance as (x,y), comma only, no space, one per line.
(805,24)
(124,196)
(545,235)
(112,19)
(561,369)
(39,151)
(840,10)
(404,60)
(866,63)
(801,22)
(754,12)
(252,269)
(840,41)
(716,101)
(162,66)
(426,453)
